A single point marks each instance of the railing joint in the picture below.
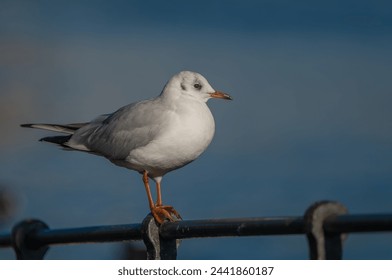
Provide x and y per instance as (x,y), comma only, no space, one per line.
(323,245)
(25,247)
(158,248)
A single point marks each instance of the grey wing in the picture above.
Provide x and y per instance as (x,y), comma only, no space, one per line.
(115,135)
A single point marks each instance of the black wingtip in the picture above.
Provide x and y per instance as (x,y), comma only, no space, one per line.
(59,140)
(26,125)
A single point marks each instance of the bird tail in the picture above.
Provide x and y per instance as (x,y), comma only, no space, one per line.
(59,140)
(67,128)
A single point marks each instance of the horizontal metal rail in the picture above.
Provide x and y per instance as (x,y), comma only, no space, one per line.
(233,227)
(89,234)
(94,234)
(318,223)
(359,223)
(5,240)
(208,228)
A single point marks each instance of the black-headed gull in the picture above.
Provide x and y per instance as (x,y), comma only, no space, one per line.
(153,136)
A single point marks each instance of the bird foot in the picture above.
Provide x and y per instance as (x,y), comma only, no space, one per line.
(163,212)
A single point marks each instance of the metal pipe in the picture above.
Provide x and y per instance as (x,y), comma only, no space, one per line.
(5,240)
(209,228)
(88,234)
(232,227)
(359,223)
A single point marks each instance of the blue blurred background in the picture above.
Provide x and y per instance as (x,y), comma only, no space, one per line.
(311,117)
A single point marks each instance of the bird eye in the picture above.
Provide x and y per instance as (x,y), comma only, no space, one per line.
(197,86)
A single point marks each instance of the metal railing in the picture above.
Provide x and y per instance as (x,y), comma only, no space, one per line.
(325,224)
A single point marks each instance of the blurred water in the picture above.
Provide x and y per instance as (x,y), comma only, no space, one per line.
(310,119)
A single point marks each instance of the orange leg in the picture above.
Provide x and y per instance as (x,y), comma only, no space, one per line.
(159,195)
(159,211)
(147,186)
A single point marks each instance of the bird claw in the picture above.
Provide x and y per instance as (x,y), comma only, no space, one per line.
(163,212)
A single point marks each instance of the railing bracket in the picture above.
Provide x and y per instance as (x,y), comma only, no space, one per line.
(22,243)
(158,248)
(323,245)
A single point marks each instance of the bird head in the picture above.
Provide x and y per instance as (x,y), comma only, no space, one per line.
(192,85)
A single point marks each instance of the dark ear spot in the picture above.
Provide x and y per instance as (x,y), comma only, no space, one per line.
(183,86)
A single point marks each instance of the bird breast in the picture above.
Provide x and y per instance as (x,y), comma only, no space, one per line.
(187,132)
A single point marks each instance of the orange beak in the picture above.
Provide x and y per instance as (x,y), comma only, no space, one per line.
(221,95)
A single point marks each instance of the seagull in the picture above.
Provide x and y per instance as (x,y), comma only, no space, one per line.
(152,137)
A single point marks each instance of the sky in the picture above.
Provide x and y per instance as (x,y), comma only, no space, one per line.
(310,119)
